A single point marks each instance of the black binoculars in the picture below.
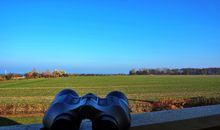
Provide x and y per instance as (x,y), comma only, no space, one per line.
(67,111)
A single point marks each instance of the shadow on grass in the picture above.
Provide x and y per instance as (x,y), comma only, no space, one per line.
(139,100)
(6,122)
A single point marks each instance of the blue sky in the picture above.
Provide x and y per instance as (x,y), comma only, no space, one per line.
(108,36)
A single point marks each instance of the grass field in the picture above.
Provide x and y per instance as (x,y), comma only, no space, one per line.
(41,91)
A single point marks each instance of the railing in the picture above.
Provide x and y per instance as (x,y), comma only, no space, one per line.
(197,118)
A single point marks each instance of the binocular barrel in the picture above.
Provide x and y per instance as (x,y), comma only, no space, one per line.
(68,110)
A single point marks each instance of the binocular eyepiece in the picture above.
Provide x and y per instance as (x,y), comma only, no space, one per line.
(67,111)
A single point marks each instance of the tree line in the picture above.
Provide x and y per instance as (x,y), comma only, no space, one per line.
(46,74)
(34,74)
(183,71)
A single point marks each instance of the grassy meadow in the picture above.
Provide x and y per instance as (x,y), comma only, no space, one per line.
(38,93)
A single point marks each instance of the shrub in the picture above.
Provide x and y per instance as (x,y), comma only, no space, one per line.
(2,78)
(9,76)
(29,75)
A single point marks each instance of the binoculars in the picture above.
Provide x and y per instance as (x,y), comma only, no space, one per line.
(67,111)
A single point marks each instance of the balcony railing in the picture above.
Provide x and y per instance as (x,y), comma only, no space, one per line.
(197,118)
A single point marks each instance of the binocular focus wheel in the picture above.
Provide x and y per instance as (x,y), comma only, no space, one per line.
(105,123)
(67,91)
(118,94)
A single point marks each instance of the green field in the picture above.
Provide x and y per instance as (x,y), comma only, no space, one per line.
(42,91)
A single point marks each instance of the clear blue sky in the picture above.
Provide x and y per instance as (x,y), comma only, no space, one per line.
(108,36)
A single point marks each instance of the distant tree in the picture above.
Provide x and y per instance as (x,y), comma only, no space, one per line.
(145,71)
(132,72)
(35,75)
(9,76)
(58,73)
(47,74)
(28,75)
